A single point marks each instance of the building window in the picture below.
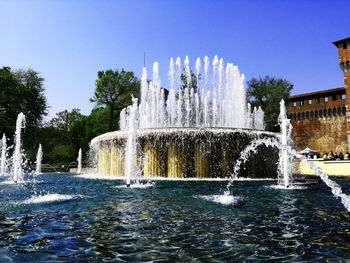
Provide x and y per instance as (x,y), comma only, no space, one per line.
(316,114)
(294,103)
(329,112)
(298,115)
(301,103)
(343,96)
(303,115)
(334,97)
(325,112)
(310,102)
(321,113)
(311,114)
(325,99)
(344,110)
(317,100)
(334,112)
(307,115)
(294,116)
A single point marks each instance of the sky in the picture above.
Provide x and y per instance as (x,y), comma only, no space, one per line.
(69,41)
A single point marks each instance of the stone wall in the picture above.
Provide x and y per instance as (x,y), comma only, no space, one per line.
(319,120)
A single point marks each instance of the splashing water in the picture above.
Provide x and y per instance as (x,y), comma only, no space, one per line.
(196,106)
(79,161)
(39,157)
(17,161)
(130,151)
(3,164)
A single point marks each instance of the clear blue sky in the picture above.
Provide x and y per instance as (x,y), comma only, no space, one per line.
(68,41)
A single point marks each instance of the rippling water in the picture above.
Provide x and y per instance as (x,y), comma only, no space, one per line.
(66,218)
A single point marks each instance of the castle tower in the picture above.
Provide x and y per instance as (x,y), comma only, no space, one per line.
(343,46)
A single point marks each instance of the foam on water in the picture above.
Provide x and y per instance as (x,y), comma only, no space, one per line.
(224,199)
(137,186)
(49,198)
(290,187)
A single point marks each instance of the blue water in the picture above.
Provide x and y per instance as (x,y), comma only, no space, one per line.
(65,218)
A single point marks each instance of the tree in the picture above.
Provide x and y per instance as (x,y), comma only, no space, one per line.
(22,91)
(267,93)
(114,89)
(64,119)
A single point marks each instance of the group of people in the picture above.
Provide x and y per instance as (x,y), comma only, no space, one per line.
(334,156)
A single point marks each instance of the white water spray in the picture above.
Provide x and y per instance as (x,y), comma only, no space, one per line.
(130,152)
(284,162)
(39,157)
(3,165)
(196,105)
(17,160)
(79,161)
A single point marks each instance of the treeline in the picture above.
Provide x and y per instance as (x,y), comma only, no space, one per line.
(61,137)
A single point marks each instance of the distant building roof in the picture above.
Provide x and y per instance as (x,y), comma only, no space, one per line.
(342,89)
(340,40)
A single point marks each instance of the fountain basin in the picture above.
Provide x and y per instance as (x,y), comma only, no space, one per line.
(188,153)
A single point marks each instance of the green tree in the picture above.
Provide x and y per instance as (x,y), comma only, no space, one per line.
(22,91)
(64,119)
(114,89)
(267,93)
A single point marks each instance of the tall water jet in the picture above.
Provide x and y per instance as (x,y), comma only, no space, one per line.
(3,165)
(175,131)
(79,161)
(130,151)
(17,160)
(39,157)
(284,163)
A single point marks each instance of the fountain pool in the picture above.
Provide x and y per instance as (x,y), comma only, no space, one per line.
(77,217)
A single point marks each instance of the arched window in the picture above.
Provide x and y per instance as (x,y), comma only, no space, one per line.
(320,113)
(339,111)
(307,115)
(298,115)
(316,114)
(325,112)
(294,116)
(329,112)
(344,110)
(334,112)
(311,114)
(303,115)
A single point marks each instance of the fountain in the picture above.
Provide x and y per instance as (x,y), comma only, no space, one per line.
(39,157)
(79,161)
(3,161)
(196,129)
(17,160)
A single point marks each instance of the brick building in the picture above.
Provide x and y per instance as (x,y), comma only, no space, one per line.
(321,120)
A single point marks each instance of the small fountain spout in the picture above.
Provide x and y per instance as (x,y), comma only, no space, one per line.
(39,157)
(79,161)
(285,137)
(17,156)
(3,155)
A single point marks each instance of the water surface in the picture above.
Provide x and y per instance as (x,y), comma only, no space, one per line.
(66,218)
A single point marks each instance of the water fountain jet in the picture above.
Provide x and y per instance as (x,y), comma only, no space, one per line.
(17,160)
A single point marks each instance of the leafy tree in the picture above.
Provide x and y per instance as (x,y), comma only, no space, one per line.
(267,93)
(65,119)
(84,130)
(22,91)
(114,89)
